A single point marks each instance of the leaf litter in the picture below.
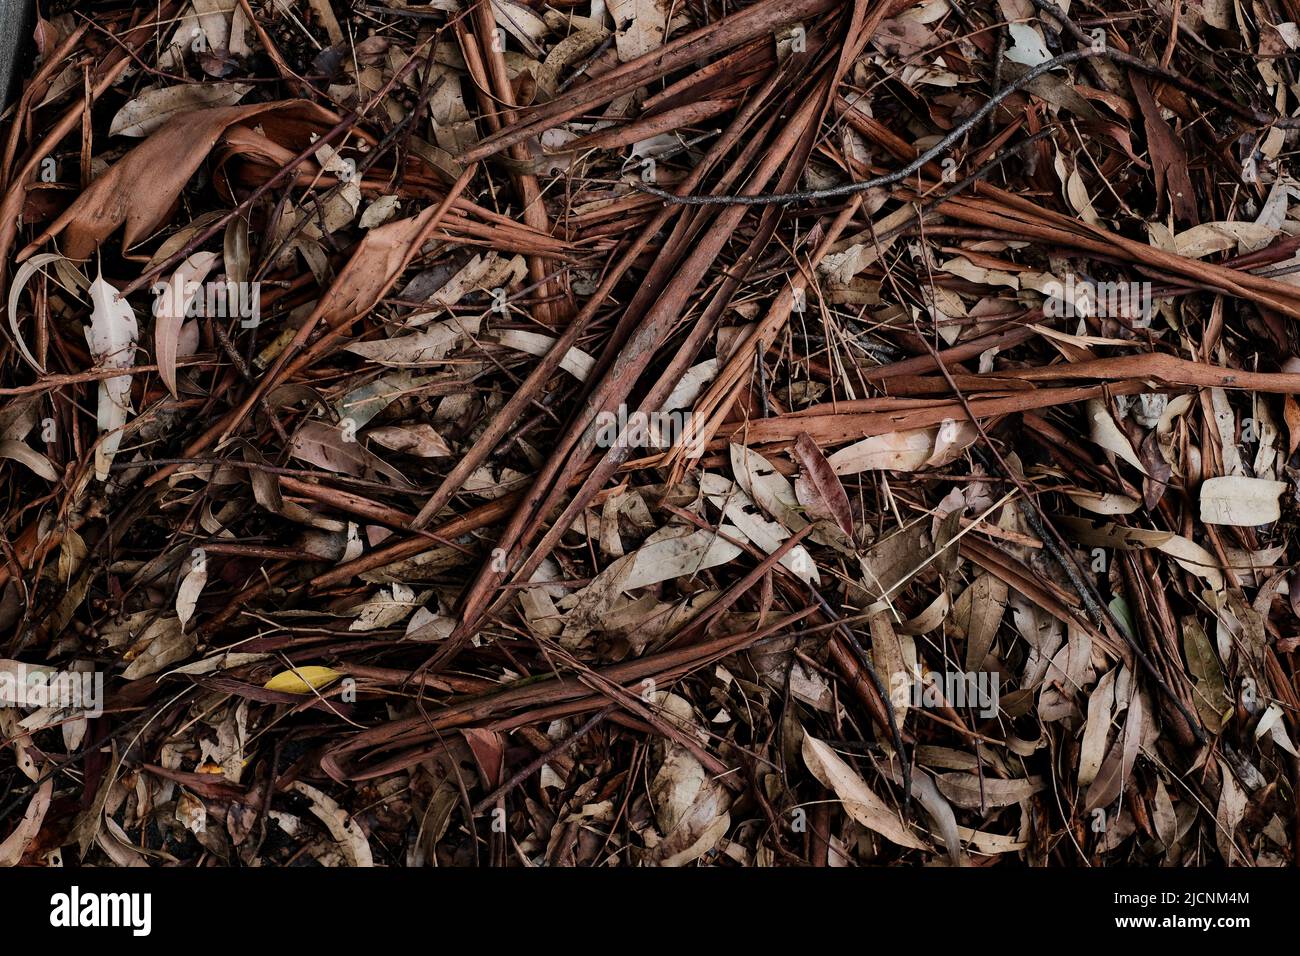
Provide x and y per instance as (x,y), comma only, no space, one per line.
(800,433)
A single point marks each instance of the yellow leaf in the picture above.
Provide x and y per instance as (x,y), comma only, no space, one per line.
(302,680)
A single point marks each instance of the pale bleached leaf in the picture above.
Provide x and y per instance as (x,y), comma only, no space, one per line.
(1244,502)
(859,801)
(112,335)
(153,107)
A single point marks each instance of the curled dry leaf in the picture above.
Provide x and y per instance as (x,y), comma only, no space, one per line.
(24,454)
(20,279)
(16,843)
(351,838)
(172,302)
(859,800)
(1108,435)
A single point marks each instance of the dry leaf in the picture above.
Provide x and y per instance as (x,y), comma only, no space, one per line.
(151,108)
(859,801)
(112,335)
(1245,502)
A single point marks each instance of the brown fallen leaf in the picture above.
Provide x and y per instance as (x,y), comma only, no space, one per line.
(830,492)
(1168,158)
(141,188)
(171,303)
